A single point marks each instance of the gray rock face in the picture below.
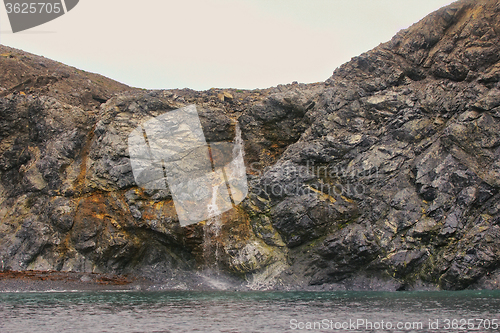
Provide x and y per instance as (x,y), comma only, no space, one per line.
(386,176)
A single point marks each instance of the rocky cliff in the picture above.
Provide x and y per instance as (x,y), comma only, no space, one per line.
(386,176)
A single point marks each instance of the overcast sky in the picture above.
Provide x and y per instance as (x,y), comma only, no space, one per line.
(201,44)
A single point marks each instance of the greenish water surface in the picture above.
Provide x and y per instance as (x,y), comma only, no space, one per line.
(185,311)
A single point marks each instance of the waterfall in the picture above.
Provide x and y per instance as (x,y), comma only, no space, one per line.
(238,143)
(211,233)
(238,169)
(233,183)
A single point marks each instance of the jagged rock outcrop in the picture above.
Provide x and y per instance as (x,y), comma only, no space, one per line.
(386,176)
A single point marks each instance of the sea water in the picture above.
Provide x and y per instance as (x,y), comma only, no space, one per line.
(189,311)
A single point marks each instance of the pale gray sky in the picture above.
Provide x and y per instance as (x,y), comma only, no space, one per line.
(201,44)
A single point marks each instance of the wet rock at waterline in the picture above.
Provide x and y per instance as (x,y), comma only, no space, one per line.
(386,176)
